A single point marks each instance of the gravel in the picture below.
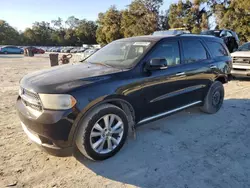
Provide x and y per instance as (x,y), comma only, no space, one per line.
(187,150)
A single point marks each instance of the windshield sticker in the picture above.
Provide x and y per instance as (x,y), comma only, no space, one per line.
(141,43)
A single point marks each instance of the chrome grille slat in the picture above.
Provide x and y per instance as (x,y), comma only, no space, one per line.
(31,99)
(30,94)
(241,60)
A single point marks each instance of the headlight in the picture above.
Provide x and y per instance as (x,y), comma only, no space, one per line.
(57,101)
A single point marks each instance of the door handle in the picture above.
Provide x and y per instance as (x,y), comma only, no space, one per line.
(213,67)
(180,74)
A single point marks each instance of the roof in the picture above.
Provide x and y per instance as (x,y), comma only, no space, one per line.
(145,38)
(155,38)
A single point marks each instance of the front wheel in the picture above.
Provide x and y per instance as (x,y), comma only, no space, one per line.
(102,133)
(214,98)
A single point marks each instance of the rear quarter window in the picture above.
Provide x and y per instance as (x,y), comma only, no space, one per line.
(217,49)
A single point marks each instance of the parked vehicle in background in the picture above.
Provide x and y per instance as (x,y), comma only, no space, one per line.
(241,61)
(35,50)
(68,50)
(81,50)
(74,50)
(230,38)
(10,50)
(51,49)
(128,82)
(89,52)
(56,49)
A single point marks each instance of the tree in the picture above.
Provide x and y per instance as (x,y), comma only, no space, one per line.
(109,26)
(180,15)
(8,35)
(163,21)
(234,15)
(138,20)
(189,15)
(57,23)
(70,37)
(152,5)
(86,32)
(72,22)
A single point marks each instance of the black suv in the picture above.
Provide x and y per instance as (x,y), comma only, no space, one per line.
(90,106)
(230,38)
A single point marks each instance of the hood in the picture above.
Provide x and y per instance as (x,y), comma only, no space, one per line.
(241,54)
(64,78)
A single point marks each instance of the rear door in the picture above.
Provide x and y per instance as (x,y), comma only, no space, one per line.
(197,67)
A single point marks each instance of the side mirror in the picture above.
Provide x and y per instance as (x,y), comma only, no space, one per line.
(158,64)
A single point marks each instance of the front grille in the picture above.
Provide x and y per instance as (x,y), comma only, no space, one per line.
(241,60)
(33,106)
(31,99)
(31,94)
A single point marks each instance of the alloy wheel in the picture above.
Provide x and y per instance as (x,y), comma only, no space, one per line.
(106,134)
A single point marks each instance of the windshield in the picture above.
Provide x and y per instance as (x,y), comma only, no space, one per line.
(244,47)
(120,54)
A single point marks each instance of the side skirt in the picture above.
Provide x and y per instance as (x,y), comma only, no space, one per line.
(168,112)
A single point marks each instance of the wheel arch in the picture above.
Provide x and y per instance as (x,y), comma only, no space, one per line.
(222,79)
(117,100)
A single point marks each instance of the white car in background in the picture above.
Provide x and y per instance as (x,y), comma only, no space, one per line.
(241,61)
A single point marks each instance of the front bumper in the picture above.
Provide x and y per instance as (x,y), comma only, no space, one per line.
(241,70)
(240,73)
(50,130)
(49,148)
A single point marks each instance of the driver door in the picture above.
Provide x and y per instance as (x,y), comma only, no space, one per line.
(163,89)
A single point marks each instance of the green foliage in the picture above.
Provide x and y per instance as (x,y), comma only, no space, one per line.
(163,21)
(109,26)
(86,32)
(138,20)
(77,32)
(234,15)
(141,17)
(152,5)
(8,35)
(189,15)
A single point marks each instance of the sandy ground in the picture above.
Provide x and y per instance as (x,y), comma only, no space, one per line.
(187,150)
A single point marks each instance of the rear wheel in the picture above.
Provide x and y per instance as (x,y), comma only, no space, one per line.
(102,132)
(214,98)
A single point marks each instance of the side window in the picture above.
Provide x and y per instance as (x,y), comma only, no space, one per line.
(193,51)
(229,34)
(223,33)
(217,49)
(169,51)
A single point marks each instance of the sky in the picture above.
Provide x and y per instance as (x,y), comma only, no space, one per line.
(20,14)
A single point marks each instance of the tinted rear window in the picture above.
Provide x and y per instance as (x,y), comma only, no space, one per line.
(217,49)
(193,51)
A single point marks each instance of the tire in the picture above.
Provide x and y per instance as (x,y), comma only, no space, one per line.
(214,99)
(5,52)
(87,127)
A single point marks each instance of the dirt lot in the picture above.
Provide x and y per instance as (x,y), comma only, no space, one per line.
(187,150)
